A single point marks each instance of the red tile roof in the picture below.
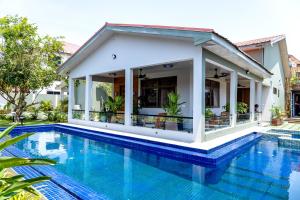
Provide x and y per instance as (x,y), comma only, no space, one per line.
(294,59)
(70,48)
(260,40)
(162,27)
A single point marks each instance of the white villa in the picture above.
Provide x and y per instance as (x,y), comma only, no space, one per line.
(222,89)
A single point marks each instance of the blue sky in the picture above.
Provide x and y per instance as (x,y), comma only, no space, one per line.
(237,20)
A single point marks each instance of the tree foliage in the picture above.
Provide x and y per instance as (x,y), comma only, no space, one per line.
(28,61)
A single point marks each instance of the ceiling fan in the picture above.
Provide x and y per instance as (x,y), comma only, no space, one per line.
(141,75)
(217,76)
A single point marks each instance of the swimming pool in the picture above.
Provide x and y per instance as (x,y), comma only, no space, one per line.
(263,171)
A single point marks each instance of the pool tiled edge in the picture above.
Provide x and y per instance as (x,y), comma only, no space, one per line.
(65,187)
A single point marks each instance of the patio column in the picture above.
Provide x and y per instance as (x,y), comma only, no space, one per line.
(198,97)
(128,96)
(233,97)
(88,97)
(259,96)
(71,98)
(252,100)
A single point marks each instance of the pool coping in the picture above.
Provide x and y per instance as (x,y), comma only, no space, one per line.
(209,158)
(212,158)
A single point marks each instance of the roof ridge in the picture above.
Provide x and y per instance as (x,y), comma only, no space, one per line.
(260,40)
(182,28)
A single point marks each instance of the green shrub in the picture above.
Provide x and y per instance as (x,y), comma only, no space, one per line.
(241,107)
(63,105)
(8,117)
(2,116)
(34,112)
(46,107)
(57,116)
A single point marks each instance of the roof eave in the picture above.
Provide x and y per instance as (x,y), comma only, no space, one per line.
(207,35)
(235,49)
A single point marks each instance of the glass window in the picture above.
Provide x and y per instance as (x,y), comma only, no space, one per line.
(212,93)
(275,90)
(53,92)
(154,92)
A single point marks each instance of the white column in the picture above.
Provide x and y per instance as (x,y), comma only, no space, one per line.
(259,101)
(199,98)
(259,96)
(88,97)
(71,98)
(252,99)
(128,96)
(233,97)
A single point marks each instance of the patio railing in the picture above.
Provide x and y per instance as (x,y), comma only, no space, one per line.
(243,118)
(78,114)
(217,122)
(176,123)
(108,117)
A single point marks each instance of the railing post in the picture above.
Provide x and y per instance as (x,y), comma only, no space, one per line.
(88,97)
(128,96)
(71,98)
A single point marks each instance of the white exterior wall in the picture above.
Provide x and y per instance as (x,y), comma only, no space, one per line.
(272,61)
(134,52)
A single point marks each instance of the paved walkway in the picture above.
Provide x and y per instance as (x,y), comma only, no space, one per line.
(288,126)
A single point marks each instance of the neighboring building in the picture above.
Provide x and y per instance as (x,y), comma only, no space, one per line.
(272,53)
(53,92)
(144,63)
(294,87)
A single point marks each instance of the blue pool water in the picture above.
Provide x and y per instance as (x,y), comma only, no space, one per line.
(265,171)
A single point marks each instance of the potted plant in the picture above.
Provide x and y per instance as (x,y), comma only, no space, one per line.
(208,113)
(226,111)
(276,116)
(112,106)
(173,109)
(241,108)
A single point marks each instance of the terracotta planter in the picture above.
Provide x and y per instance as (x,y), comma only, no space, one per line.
(277,122)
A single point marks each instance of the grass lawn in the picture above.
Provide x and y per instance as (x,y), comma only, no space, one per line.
(6,123)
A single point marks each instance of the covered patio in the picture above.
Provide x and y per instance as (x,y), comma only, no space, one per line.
(177,90)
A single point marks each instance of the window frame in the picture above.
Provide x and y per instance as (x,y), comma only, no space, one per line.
(211,89)
(156,84)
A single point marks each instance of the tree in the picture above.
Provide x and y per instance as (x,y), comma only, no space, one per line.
(28,61)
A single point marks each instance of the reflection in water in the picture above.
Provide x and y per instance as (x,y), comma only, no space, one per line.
(47,145)
(265,171)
